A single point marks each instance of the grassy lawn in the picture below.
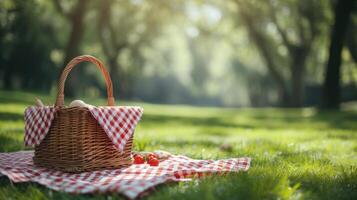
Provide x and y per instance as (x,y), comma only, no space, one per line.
(296,153)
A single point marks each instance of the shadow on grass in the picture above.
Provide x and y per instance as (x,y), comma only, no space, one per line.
(13,97)
(6,100)
(338,119)
(343,136)
(20,97)
(343,120)
(341,185)
(8,144)
(213,131)
(183,143)
(11,116)
(31,190)
(278,119)
(191,121)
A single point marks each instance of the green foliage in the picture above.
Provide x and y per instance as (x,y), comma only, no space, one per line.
(26,41)
(296,153)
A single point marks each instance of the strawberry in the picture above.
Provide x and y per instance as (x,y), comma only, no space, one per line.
(139,159)
(151,155)
(153,162)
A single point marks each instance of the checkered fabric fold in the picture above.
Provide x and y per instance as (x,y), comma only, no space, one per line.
(118,122)
(131,181)
(37,123)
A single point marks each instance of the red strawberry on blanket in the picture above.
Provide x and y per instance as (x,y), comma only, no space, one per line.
(153,161)
(152,155)
(139,159)
(151,158)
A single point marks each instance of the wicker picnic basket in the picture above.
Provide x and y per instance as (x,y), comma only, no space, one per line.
(75,141)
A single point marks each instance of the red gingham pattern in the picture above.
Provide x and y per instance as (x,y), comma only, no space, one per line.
(131,181)
(118,123)
(37,123)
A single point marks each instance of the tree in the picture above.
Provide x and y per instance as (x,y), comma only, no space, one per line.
(24,49)
(116,32)
(331,87)
(290,27)
(75,17)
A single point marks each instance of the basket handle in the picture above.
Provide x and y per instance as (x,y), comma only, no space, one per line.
(69,67)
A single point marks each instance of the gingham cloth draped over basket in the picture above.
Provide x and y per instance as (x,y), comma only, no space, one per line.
(76,139)
(118,123)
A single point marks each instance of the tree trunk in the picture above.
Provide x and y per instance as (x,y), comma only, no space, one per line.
(264,50)
(116,77)
(111,50)
(8,76)
(297,76)
(73,45)
(331,87)
(297,86)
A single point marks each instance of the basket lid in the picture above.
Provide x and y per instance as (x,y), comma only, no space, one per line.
(118,122)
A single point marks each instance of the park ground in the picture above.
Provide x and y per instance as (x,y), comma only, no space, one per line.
(296,153)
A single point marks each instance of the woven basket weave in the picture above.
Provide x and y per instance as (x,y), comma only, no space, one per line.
(75,141)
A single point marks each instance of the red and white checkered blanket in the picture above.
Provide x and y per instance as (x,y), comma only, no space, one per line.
(118,122)
(130,181)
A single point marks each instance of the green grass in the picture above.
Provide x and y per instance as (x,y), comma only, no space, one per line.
(296,153)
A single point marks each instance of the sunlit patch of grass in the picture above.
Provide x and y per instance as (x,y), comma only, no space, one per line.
(296,153)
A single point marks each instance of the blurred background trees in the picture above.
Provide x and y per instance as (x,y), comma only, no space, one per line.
(222,53)
(285,33)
